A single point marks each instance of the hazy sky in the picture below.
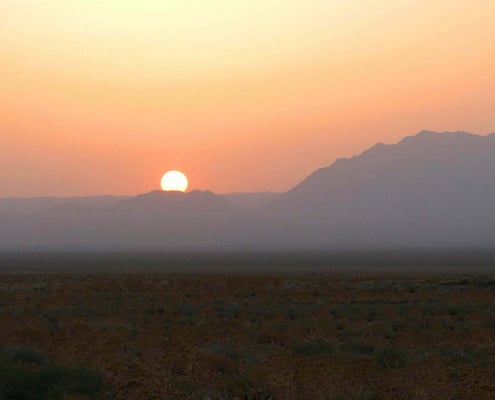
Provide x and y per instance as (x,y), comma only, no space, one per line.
(104,96)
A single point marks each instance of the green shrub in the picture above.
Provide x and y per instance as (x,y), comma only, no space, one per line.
(315,347)
(22,354)
(389,332)
(26,374)
(188,310)
(224,349)
(391,357)
(359,349)
(465,355)
(227,310)
(402,310)
(188,313)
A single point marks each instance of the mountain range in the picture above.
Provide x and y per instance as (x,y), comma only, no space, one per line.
(428,190)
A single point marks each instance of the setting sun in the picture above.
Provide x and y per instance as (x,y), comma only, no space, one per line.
(174,181)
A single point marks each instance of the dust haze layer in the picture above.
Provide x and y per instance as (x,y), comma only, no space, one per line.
(431,190)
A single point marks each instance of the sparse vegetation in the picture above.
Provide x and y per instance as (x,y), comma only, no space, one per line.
(391,357)
(359,349)
(248,336)
(26,374)
(318,347)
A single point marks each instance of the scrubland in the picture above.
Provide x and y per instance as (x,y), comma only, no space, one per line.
(327,335)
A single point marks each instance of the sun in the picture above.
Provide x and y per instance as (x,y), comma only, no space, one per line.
(174,181)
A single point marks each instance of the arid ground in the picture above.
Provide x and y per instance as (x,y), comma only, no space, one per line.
(322,335)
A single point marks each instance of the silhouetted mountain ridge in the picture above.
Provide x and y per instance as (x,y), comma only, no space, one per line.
(422,164)
(430,189)
(192,201)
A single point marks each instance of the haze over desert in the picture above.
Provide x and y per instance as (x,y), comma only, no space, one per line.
(256,200)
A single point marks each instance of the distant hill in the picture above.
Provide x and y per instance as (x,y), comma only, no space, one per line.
(19,206)
(252,200)
(418,168)
(428,190)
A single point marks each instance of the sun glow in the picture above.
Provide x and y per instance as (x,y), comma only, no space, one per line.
(174,181)
(295,84)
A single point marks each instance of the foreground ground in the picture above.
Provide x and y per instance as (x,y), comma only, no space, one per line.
(339,335)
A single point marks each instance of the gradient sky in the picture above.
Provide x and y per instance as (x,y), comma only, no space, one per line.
(104,96)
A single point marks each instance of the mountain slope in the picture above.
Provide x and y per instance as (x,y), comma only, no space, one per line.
(429,189)
(454,164)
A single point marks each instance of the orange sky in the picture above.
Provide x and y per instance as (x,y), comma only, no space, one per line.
(104,96)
